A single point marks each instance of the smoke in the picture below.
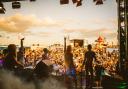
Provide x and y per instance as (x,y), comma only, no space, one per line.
(52,84)
(10,81)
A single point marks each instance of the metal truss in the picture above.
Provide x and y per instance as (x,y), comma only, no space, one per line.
(123,33)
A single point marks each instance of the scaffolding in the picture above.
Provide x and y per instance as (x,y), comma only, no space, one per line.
(123,33)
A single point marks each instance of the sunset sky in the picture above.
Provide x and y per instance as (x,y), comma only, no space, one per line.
(47,22)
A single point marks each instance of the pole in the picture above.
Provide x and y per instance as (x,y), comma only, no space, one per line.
(65,45)
(22,50)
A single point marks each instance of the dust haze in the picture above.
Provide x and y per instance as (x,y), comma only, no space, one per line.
(9,81)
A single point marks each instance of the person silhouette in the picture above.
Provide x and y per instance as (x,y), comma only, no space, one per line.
(42,68)
(70,68)
(10,61)
(89,56)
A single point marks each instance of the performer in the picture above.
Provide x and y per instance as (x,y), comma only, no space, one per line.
(10,61)
(99,69)
(42,69)
(70,68)
(88,59)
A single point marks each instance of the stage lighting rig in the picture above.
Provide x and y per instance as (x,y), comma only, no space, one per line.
(16,5)
(32,0)
(74,1)
(64,2)
(99,2)
(79,3)
(2,9)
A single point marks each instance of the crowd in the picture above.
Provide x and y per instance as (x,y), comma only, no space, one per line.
(32,56)
(69,62)
(106,58)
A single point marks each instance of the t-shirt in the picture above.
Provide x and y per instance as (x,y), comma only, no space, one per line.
(10,62)
(89,56)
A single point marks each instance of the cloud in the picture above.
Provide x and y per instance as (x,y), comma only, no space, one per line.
(41,34)
(89,33)
(107,33)
(52,23)
(69,30)
(113,21)
(96,21)
(19,23)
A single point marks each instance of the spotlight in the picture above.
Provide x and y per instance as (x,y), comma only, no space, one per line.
(16,5)
(74,1)
(2,9)
(32,0)
(79,3)
(64,2)
(99,2)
